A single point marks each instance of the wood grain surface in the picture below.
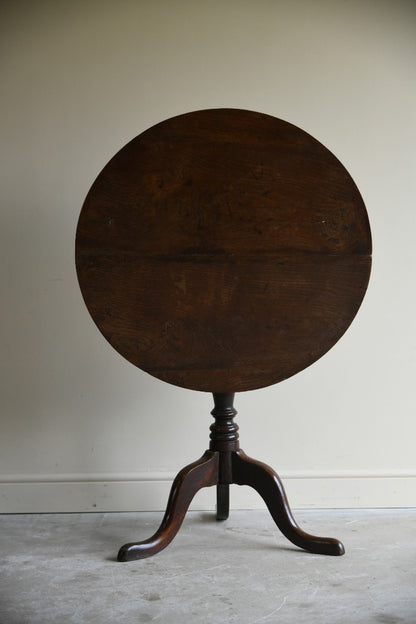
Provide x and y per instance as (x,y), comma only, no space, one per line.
(223,250)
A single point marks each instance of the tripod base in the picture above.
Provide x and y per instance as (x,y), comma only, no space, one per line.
(223,464)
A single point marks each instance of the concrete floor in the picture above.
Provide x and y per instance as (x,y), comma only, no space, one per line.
(61,569)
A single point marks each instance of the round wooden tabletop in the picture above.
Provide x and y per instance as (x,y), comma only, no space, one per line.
(223,250)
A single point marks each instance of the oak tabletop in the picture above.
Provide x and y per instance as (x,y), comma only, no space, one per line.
(223,250)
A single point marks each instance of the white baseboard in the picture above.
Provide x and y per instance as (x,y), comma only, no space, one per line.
(149,492)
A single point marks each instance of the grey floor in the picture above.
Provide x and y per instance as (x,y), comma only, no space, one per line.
(61,569)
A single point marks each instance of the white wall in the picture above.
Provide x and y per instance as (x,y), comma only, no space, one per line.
(82,429)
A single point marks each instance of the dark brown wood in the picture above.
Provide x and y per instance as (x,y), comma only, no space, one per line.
(224,431)
(223,250)
(265,481)
(224,439)
(223,501)
(223,464)
(188,482)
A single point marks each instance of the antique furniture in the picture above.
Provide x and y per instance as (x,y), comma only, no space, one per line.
(223,250)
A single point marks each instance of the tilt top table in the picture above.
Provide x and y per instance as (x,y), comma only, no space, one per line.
(223,250)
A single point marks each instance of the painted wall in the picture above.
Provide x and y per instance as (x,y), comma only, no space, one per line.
(82,429)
